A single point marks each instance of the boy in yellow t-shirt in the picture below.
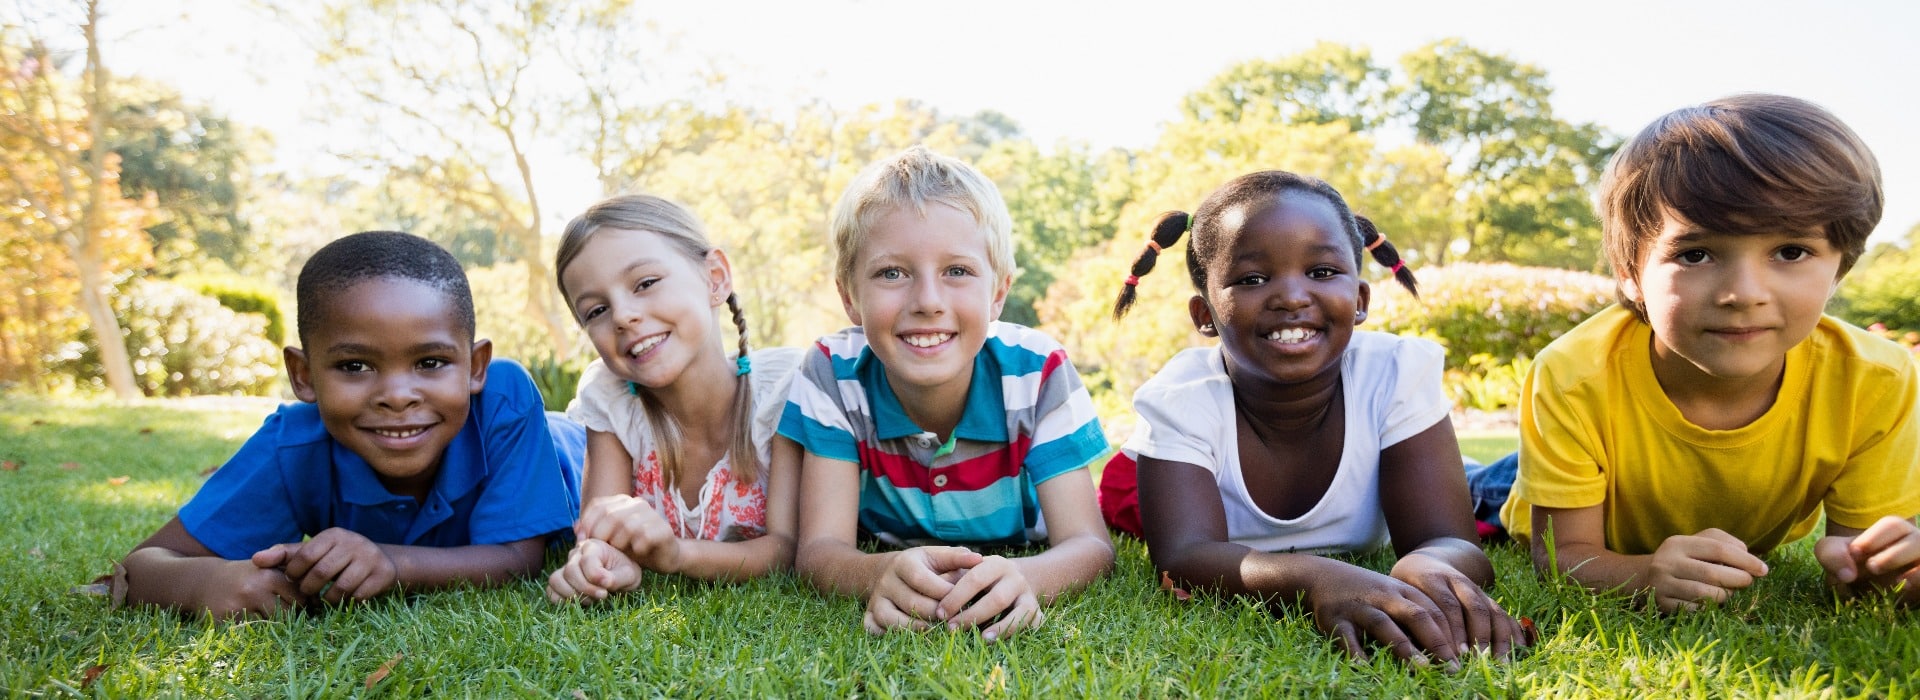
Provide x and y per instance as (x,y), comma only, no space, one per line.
(1667,443)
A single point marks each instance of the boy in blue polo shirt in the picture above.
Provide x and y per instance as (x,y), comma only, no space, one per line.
(931,425)
(413,460)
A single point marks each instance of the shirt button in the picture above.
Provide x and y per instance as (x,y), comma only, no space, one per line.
(402,507)
(940,481)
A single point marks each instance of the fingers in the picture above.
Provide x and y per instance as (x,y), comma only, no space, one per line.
(275,556)
(1348,637)
(883,615)
(1892,545)
(1480,617)
(1025,614)
(949,558)
(1450,602)
(1836,556)
(1727,550)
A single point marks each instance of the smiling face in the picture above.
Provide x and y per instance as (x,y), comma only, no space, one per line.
(923,290)
(1282,291)
(392,370)
(648,307)
(1727,307)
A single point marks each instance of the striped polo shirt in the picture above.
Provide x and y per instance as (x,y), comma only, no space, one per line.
(1028,419)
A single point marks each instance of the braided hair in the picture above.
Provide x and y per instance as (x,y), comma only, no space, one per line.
(1204,223)
(675,223)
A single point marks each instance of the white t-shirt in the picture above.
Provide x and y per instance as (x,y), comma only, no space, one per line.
(726,511)
(1392,392)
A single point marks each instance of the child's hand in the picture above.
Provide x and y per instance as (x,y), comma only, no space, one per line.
(594,570)
(245,590)
(1690,569)
(908,593)
(992,593)
(1473,619)
(336,564)
(1881,558)
(1352,602)
(634,527)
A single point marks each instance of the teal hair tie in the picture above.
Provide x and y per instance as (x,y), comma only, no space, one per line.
(745,365)
(633,388)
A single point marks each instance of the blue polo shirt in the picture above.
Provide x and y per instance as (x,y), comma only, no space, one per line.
(503,479)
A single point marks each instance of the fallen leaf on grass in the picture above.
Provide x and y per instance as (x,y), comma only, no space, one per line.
(380,674)
(211,468)
(1166,584)
(579,694)
(118,480)
(69,466)
(10,466)
(92,674)
(37,421)
(36,553)
(146,431)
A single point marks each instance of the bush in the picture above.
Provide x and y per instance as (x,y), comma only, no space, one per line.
(182,343)
(557,379)
(245,296)
(1489,315)
(1884,288)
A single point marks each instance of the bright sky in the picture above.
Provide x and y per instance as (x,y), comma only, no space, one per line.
(1111,73)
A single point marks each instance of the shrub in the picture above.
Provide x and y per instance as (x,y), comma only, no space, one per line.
(557,379)
(182,343)
(1490,314)
(1884,289)
(245,296)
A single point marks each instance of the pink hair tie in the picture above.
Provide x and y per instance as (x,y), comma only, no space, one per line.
(1133,280)
(1379,238)
(1155,245)
(1397,264)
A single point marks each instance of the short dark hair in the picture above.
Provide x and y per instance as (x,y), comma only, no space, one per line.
(376,254)
(1743,164)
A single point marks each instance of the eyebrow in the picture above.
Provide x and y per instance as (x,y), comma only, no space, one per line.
(628,270)
(426,348)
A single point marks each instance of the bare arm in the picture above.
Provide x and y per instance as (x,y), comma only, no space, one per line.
(734,561)
(1079,549)
(173,569)
(1686,571)
(826,554)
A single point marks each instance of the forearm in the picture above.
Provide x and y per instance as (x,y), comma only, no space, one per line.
(839,568)
(1461,555)
(735,561)
(428,568)
(1068,566)
(1236,569)
(1595,567)
(158,576)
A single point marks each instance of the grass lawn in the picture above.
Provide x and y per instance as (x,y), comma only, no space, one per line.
(66,514)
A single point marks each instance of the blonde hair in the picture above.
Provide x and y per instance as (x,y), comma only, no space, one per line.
(640,212)
(917,177)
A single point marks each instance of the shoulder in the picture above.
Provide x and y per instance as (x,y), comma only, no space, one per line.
(1016,350)
(508,393)
(1376,348)
(1867,353)
(1188,369)
(293,424)
(1584,353)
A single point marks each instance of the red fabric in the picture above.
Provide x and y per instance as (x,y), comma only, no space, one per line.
(1120,495)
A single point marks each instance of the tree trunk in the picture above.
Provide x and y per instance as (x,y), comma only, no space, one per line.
(106,329)
(93,292)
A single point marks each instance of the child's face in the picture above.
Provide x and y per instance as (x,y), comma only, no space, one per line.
(392,371)
(924,292)
(646,306)
(1729,306)
(1282,293)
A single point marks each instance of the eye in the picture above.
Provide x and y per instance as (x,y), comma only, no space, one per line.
(1692,256)
(645,283)
(891,274)
(1251,280)
(959,271)
(432,363)
(1323,272)
(1794,253)
(353,366)
(592,313)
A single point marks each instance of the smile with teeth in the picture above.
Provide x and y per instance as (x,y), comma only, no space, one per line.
(398,434)
(1293,335)
(645,345)
(926,340)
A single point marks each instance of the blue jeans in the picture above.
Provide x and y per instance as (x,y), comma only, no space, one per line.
(1489,485)
(570,445)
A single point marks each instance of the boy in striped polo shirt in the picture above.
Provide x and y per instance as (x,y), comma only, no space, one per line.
(930,425)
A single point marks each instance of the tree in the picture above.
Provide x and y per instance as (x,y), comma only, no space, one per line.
(64,175)
(1884,286)
(1321,85)
(195,162)
(1061,202)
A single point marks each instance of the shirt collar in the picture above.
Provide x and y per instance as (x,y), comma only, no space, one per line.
(983,419)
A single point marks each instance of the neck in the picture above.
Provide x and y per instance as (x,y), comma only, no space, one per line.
(936,409)
(1291,407)
(1716,403)
(701,399)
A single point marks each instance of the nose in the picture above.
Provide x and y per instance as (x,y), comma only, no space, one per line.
(626,312)
(1744,284)
(928,296)
(397,391)
(1288,294)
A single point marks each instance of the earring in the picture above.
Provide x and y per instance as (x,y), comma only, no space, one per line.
(1359,316)
(1206,328)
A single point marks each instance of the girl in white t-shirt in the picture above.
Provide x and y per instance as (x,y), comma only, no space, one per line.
(1297,435)
(684,471)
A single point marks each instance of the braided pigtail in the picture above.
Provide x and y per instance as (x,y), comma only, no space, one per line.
(1385,254)
(745,455)
(1166,232)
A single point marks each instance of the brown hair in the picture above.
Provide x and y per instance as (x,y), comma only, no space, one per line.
(1248,188)
(640,212)
(1744,164)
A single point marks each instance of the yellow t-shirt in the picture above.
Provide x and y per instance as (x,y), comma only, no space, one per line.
(1595,428)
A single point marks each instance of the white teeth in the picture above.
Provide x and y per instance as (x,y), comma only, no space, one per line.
(928,340)
(1293,335)
(399,433)
(646,345)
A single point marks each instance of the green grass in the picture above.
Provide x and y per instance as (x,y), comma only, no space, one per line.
(1123,637)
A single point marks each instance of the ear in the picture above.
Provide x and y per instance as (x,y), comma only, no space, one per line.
(482,356)
(1202,316)
(1366,298)
(1000,297)
(1630,289)
(298,373)
(846,302)
(719,276)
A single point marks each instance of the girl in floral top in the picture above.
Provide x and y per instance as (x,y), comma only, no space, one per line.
(684,473)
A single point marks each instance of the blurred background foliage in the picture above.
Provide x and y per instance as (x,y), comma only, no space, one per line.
(124,200)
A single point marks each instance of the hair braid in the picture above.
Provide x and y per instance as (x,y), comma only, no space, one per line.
(1166,232)
(745,455)
(1384,253)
